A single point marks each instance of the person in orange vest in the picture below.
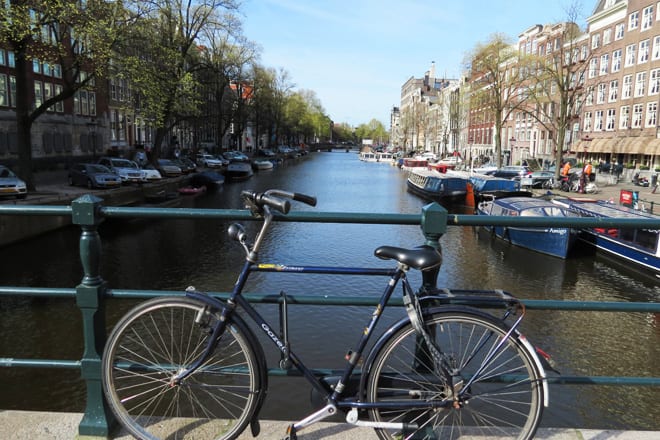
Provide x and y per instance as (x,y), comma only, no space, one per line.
(565,169)
(585,177)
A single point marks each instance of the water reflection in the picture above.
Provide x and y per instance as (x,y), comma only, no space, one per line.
(172,254)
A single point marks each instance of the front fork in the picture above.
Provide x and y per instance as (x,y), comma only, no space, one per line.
(201,319)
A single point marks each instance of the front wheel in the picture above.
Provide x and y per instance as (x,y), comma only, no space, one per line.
(154,342)
(504,399)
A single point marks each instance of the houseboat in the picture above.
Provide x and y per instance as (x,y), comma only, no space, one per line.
(435,186)
(636,247)
(553,241)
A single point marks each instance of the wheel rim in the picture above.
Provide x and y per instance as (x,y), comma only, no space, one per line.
(215,402)
(504,401)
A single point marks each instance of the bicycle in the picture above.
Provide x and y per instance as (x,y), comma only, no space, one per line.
(191,367)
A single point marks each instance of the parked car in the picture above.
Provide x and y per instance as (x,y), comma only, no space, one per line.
(207,160)
(93,175)
(187,166)
(128,170)
(265,153)
(151,173)
(168,168)
(11,185)
(512,172)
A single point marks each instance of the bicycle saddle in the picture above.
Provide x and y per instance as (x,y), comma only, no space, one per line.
(420,258)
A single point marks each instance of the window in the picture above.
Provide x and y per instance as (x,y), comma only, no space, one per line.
(600,97)
(618,31)
(656,47)
(611,117)
(637,116)
(11,59)
(36,66)
(590,96)
(614,90)
(59,106)
(630,55)
(38,93)
(633,20)
(593,67)
(640,84)
(48,93)
(624,119)
(595,41)
(643,51)
(2,57)
(584,52)
(604,64)
(57,71)
(587,121)
(654,82)
(651,114)
(598,122)
(647,17)
(607,36)
(4,97)
(616,60)
(12,91)
(626,90)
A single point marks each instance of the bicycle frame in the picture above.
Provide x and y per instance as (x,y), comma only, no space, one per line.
(236,299)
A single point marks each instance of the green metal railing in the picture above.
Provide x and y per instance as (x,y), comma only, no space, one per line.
(88,212)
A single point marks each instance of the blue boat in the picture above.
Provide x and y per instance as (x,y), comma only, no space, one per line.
(635,247)
(556,242)
(498,187)
(435,186)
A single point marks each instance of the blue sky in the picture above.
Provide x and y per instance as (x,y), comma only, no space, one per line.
(355,55)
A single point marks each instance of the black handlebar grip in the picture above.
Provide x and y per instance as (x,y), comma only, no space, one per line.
(311,201)
(275,202)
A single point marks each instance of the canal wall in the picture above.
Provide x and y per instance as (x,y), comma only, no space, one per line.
(15,228)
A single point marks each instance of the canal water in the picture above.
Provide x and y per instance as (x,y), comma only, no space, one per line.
(173,254)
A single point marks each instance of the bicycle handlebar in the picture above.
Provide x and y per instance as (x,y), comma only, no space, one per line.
(273,198)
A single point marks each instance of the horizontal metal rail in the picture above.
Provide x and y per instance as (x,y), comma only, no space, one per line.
(90,295)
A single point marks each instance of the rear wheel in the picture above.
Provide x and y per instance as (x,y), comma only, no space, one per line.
(154,342)
(503,401)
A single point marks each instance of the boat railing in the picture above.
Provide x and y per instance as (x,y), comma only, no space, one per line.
(91,294)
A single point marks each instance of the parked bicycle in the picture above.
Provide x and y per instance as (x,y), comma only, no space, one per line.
(191,367)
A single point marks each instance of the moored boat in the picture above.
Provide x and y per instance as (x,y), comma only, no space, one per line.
(210,179)
(552,241)
(238,170)
(497,187)
(435,186)
(635,247)
(262,164)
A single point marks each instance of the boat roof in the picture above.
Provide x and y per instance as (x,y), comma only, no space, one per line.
(601,208)
(522,203)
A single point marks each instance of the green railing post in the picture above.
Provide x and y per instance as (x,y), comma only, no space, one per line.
(89,296)
(434,225)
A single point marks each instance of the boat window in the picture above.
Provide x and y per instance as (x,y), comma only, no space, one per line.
(647,239)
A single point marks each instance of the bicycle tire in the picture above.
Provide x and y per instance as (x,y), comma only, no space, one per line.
(490,408)
(157,339)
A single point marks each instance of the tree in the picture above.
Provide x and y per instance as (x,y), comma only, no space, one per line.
(165,55)
(495,88)
(74,42)
(556,85)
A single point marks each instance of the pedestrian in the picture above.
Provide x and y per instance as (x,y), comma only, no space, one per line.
(566,169)
(585,177)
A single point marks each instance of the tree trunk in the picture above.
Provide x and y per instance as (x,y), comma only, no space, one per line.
(24,99)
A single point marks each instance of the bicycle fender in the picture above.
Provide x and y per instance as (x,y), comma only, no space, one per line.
(443,309)
(366,370)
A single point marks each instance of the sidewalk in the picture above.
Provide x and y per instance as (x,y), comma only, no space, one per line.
(28,425)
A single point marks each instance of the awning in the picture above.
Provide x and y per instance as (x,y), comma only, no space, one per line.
(622,145)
